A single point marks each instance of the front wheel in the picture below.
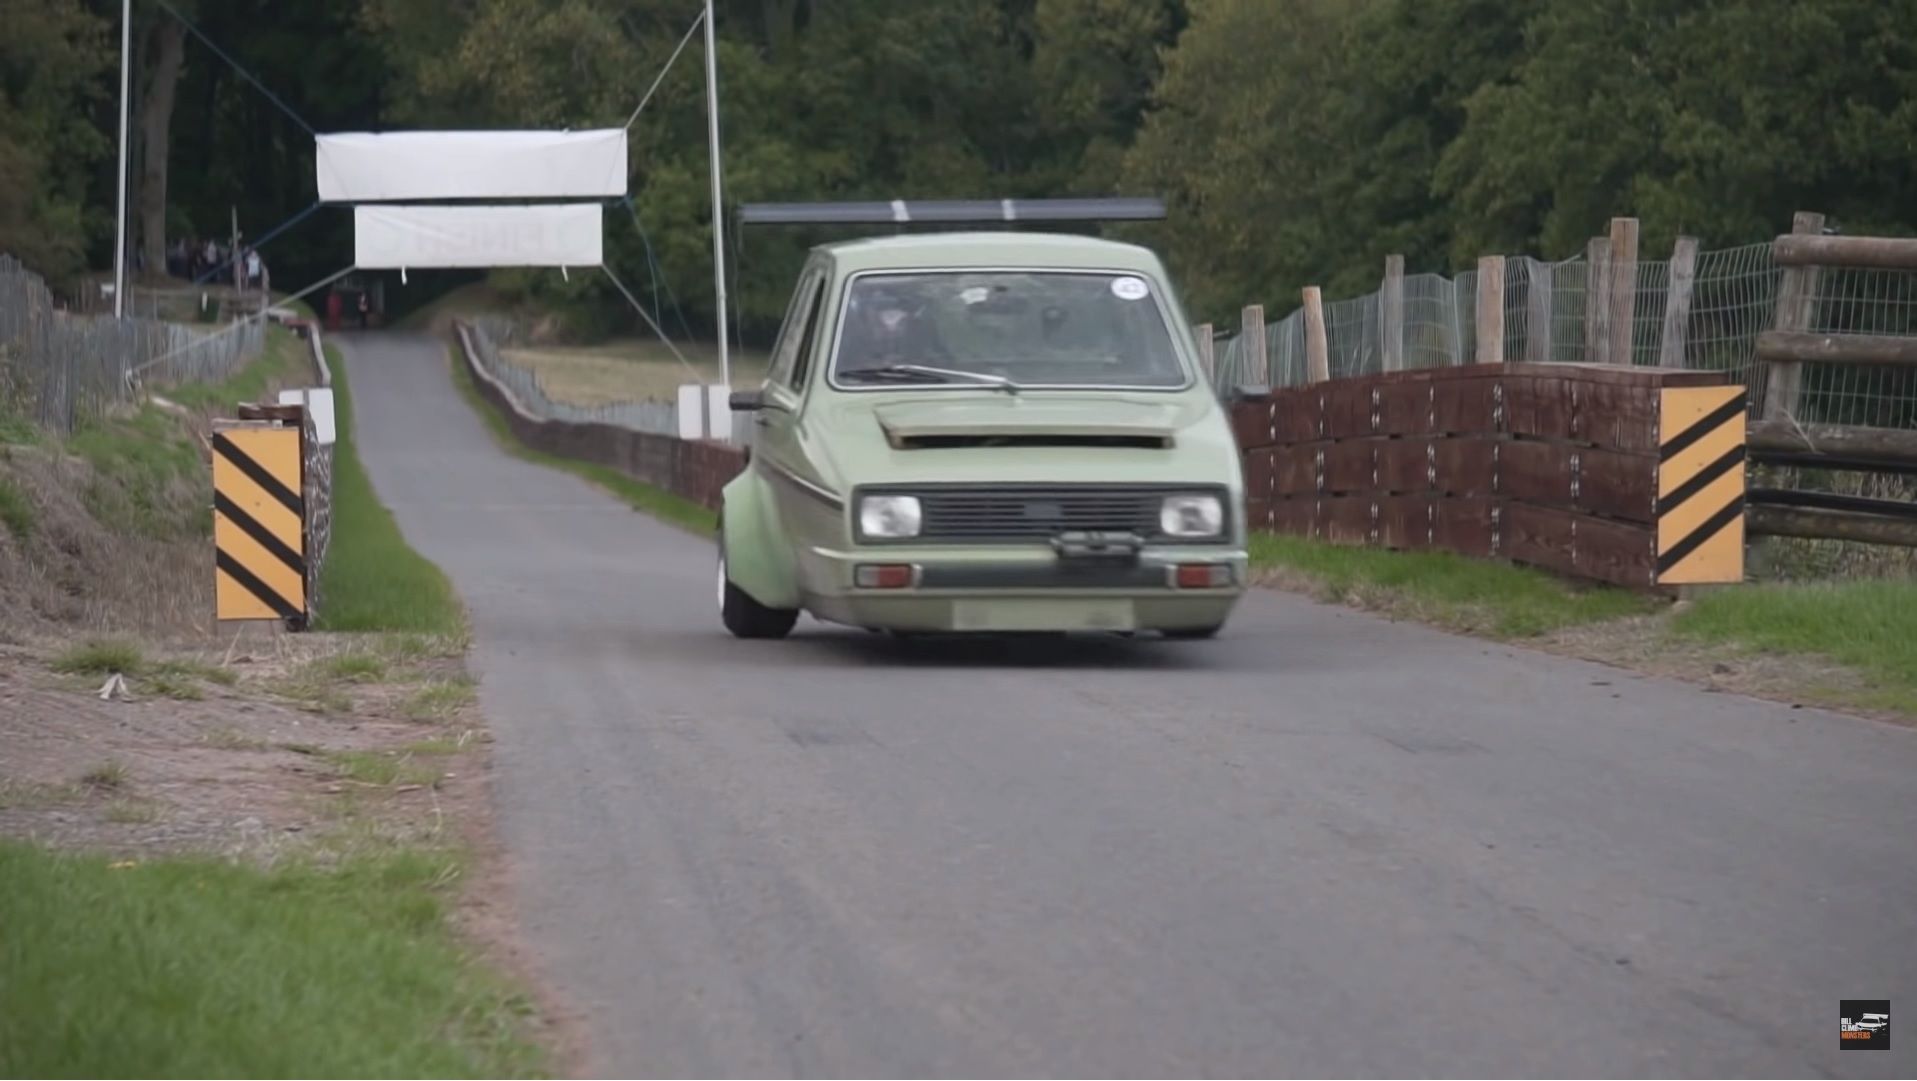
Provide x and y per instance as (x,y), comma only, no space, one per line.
(747,618)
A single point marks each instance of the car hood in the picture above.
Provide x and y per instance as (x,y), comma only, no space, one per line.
(1033,437)
(1007,416)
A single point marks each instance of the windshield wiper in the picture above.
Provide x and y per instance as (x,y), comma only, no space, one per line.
(947,373)
(893,373)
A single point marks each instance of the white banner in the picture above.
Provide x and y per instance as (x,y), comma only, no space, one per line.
(367,168)
(421,237)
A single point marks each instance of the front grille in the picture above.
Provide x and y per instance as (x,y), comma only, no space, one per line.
(1015,514)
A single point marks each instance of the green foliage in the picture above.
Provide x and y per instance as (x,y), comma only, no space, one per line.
(1300,141)
(1870,626)
(1471,595)
(1718,120)
(196,968)
(1297,141)
(55,56)
(373,580)
(140,462)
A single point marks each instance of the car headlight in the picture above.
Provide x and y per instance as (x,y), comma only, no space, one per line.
(1192,516)
(890,516)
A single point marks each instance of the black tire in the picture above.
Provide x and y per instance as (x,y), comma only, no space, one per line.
(747,618)
(1193,633)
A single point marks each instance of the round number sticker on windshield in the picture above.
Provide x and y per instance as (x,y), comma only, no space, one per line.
(1129,288)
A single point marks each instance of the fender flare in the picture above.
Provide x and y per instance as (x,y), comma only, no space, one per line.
(757,559)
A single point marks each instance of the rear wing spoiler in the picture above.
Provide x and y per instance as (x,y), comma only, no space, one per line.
(950,211)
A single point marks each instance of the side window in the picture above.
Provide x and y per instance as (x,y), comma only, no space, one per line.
(779,370)
(808,331)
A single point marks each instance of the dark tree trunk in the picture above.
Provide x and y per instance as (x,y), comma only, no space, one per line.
(168,50)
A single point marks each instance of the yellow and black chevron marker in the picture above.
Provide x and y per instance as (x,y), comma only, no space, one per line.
(258,523)
(1700,485)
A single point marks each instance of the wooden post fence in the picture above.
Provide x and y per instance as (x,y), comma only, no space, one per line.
(1252,354)
(1677,307)
(1490,323)
(1317,351)
(1796,298)
(1391,314)
(1597,300)
(1621,331)
(1537,313)
(1786,437)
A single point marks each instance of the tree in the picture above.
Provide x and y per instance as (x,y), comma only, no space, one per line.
(164,54)
(53,57)
(1717,120)
(1250,112)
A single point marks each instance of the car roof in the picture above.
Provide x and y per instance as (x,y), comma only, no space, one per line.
(991,249)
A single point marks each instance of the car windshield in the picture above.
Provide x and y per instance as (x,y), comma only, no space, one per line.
(999,328)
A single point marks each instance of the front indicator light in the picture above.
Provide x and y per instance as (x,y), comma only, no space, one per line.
(882,575)
(890,516)
(1202,575)
(1191,516)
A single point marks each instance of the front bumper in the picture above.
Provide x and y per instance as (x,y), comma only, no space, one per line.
(1023,589)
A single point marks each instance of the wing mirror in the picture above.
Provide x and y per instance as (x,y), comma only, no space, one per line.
(747,401)
(1249,392)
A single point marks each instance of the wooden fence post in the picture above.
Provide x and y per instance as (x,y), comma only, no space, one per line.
(1597,300)
(1252,354)
(1391,314)
(1491,309)
(1317,353)
(1207,358)
(1537,312)
(1796,297)
(1623,328)
(1677,307)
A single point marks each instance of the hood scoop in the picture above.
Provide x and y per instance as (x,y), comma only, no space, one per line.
(957,440)
(1016,423)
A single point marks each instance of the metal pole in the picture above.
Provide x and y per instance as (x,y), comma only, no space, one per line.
(119,235)
(718,210)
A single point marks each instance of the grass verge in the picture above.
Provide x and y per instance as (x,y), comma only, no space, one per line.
(1451,591)
(373,580)
(1869,626)
(637,494)
(343,972)
(1863,634)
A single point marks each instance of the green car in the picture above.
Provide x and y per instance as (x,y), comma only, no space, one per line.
(984,432)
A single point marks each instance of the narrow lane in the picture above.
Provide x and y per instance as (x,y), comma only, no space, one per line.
(1321,844)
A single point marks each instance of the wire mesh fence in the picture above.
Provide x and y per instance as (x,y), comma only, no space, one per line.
(60,369)
(1573,311)
(492,336)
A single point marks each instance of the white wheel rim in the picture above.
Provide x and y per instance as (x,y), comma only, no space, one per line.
(722,581)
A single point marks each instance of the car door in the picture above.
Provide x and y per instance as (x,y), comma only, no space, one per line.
(779,437)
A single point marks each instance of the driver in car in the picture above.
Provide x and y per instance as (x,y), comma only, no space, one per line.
(886,328)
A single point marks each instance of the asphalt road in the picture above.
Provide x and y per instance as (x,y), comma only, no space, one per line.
(1323,844)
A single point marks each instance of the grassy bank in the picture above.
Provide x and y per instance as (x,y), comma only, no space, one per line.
(1867,626)
(191,968)
(1467,595)
(637,494)
(373,580)
(1858,639)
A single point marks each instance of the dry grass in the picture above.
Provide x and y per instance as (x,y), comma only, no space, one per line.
(628,370)
(109,775)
